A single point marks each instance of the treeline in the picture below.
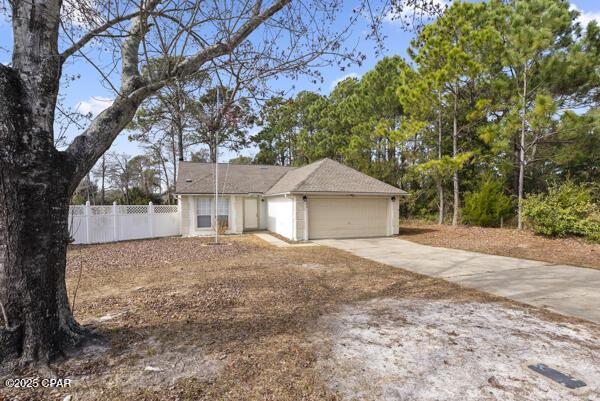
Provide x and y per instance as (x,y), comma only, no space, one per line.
(498,101)
(123,179)
(187,120)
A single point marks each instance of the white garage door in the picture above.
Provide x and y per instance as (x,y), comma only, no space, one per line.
(347,217)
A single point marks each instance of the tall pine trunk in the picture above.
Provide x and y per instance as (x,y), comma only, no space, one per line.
(456,209)
(440,183)
(522,151)
(34,204)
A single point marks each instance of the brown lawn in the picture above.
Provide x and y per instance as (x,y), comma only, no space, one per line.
(504,242)
(190,321)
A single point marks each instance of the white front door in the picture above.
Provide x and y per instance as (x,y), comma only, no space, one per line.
(250,213)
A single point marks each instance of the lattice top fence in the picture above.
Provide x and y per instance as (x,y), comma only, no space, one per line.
(79,210)
(93,224)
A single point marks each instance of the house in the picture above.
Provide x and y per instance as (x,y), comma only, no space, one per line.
(324,199)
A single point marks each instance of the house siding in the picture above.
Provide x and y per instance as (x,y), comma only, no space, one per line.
(238,204)
(188,216)
(184,210)
(280,216)
(395,217)
(263,213)
(299,215)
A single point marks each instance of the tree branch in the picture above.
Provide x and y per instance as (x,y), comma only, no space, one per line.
(87,147)
(85,39)
(193,63)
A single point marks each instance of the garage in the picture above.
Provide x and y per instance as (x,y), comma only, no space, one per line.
(348,217)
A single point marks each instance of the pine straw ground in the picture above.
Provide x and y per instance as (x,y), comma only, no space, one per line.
(504,242)
(190,321)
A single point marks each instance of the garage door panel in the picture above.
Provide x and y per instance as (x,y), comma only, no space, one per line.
(347,217)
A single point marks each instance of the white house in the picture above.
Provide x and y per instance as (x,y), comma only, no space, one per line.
(324,199)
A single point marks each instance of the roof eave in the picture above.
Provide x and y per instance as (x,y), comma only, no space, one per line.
(220,193)
(349,193)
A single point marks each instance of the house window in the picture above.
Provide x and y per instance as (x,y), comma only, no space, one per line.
(203,212)
(223,212)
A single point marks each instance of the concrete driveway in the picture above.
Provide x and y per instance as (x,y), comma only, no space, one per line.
(569,290)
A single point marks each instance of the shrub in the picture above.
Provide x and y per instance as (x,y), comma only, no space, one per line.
(488,205)
(567,209)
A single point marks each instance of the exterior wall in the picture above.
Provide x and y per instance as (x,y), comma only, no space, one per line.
(184,213)
(286,216)
(188,227)
(300,215)
(263,213)
(280,216)
(238,205)
(395,216)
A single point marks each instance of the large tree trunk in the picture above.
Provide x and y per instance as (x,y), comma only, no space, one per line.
(34,203)
(522,152)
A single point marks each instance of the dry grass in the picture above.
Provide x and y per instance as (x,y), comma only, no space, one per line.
(226,322)
(504,242)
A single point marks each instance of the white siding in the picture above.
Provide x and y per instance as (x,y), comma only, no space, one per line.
(395,216)
(263,214)
(184,214)
(280,216)
(239,215)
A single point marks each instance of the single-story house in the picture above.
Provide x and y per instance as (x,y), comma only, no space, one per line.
(324,199)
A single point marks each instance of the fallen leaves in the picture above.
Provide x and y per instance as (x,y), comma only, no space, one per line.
(222,322)
(504,242)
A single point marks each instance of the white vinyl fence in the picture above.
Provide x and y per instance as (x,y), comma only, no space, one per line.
(95,224)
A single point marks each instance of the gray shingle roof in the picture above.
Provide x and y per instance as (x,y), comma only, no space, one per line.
(330,176)
(198,178)
(322,176)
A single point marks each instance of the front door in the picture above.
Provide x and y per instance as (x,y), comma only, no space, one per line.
(250,213)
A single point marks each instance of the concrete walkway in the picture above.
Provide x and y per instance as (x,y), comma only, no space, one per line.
(569,290)
(280,243)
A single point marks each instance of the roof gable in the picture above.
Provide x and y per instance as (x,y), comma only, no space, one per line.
(198,178)
(330,176)
(326,176)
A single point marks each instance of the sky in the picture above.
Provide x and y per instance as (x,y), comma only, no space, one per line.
(88,94)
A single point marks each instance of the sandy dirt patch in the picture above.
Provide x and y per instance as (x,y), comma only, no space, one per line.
(391,349)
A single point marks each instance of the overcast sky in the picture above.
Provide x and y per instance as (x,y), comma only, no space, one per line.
(88,94)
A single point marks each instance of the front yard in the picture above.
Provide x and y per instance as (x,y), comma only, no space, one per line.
(246,321)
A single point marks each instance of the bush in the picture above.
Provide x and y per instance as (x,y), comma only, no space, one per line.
(488,205)
(565,210)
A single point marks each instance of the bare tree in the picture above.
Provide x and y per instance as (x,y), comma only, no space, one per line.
(119,173)
(223,120)
(163,125)
(99,172)
(145,45)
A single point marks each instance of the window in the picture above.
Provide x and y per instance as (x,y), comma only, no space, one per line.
(223,212)
(203,212)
